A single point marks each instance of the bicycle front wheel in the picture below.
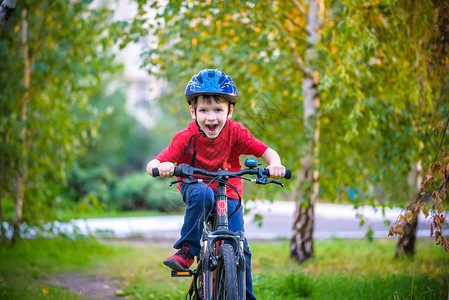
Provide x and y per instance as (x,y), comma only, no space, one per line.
(225,283)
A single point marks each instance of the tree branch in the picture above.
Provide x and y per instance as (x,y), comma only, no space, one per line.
(296,24)
(300,7)
(442,139)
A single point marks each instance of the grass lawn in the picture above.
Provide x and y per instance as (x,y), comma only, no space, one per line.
(341,269)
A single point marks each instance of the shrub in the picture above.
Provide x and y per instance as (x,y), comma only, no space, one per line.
(139,191)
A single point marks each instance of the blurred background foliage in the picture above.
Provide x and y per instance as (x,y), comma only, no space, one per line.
(382,68)
(110,175)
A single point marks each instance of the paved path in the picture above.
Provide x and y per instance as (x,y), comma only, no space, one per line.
(331,220)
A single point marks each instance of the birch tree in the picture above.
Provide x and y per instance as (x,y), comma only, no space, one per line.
(52,60)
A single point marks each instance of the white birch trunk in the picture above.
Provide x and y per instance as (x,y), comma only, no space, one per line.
(307,193)
(21,172)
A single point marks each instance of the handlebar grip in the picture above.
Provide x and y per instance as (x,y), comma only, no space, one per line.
(288,173)
(155,172)
(178,172)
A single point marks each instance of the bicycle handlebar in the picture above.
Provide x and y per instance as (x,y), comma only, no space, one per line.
(185,170)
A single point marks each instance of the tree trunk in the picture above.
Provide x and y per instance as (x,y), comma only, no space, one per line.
(406,243)
(306,195)
(302,241)
(21,172)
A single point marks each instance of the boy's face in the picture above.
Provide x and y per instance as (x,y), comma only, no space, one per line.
(211,114)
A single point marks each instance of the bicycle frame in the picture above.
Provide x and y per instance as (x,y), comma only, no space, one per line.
(222,233)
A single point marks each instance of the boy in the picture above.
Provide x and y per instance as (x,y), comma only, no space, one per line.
(210,142)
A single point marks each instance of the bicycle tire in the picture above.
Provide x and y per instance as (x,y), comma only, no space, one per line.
(225,283)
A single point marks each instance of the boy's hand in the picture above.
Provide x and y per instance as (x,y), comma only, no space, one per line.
(276,171)
(166,169)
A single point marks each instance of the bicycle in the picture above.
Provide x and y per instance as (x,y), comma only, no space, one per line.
(220,273)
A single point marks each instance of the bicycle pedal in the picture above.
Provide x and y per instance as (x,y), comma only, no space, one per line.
(176,273)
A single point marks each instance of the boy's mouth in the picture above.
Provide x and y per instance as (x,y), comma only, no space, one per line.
(212,128)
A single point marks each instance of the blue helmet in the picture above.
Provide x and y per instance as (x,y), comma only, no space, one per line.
(211,82)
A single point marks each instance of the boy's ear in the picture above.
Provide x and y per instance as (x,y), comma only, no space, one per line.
(231,110)
(192,111)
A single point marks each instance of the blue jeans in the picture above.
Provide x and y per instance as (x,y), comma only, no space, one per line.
(191,231)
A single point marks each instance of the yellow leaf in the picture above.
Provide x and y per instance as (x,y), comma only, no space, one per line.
(409,216)
(391,231)
(45,291)
(445,244)
(236,39)
(437,223)
(424,209)
(435,196)
(442,195)
(418,206)
(253,69)
(399,230)
(438,238)
(428,178)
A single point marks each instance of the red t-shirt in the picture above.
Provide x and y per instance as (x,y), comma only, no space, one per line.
(221,153)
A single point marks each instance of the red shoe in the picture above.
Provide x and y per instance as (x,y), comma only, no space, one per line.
(180,261)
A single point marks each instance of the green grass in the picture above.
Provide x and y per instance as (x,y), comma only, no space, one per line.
(341,269)
(25,266)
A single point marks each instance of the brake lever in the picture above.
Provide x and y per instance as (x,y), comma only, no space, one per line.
(263,180)
(188,181)
(276,182)
(176,181)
